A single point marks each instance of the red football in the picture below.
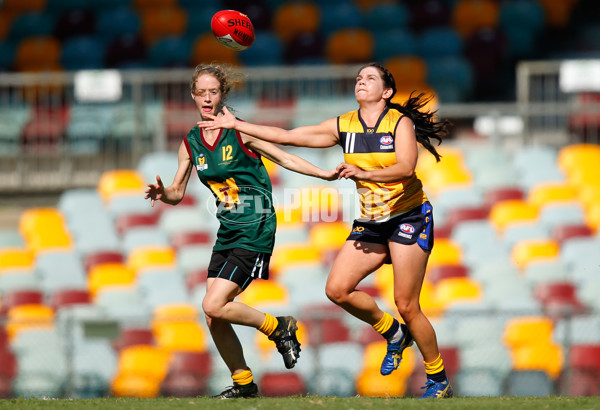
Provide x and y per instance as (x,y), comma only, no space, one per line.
(233,29)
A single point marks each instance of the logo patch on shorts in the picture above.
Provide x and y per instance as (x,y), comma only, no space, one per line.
(406,230)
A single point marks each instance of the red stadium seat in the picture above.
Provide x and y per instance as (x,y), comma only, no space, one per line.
(180,239)
(467,213)
(324,324)
(583,376)
(134,336)
(565,232)
(196,278)
(8,364)
(102,257)
(502,194)
(188,374)
(559,298)
(281,384)
(437,273)
(68,297)
(21,297)
(125,222)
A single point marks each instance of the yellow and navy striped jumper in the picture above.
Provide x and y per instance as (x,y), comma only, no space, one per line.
(373,148)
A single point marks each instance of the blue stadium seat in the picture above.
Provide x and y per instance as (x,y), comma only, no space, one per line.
(65,5)
(83,52)
(116,22)
(199,18)
(31,24)
(438,42)
(7,54)
(451,74)
(336,16)
(266,50)
(387,14)
(169,52)
(529,383)
(390,42)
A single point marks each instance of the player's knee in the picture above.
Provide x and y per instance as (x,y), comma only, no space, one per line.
(335,294)
(408,309)
(211,309)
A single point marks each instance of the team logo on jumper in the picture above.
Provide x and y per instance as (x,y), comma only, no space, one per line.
(241,204)
(406,230)
(386,142)
(202,165)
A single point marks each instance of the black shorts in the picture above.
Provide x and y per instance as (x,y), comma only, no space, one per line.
(239,265)
(410,227)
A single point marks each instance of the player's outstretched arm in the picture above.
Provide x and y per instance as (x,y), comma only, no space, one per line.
(173,194)
(315,136)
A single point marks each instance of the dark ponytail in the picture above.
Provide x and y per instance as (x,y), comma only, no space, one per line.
(426,125)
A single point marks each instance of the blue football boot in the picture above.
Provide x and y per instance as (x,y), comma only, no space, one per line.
(393,357)
(437,390)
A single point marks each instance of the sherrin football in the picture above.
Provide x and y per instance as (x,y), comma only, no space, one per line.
(233,29)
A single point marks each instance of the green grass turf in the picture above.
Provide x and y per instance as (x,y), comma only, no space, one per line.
(310,402)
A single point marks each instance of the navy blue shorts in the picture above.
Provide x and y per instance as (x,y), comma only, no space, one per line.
(410,227)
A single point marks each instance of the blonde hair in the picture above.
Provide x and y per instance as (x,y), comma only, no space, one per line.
(226,76)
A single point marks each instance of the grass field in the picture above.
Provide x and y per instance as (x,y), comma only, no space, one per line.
(311,402)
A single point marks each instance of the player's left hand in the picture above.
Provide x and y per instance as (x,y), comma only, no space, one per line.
(345,170)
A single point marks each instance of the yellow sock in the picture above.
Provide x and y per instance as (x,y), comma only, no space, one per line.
(384,324)
(434,366)
(243,378)
(269,325)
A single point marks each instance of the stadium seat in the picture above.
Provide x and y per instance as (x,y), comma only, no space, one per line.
(267,50)
(206,48)
(133,337)
(577,156)
(109,274)
(262,294)
(436,42)
(559,298)
(507,212)
(117,21)
(170,52)
(98,258)
(121,181)
(431,13)
(17,280)
(349,45)
(469,16)
(159,286)
(529,330)
(493,196)
(387,14)
(16,259)
(324,325)
(29,316)
(563,233)
(450,291)
(441,272)
(150,257)
(67,297)
(159,22)
(445,252)
(36,54)
(281,384)
(527,251)
(31,24)
(293,254)
(188,374)
(529,383)
(21,297)
(340,16)
(82,52)
(20,6)
(329,236)
(141,369)
(292,19)
(75,21)
(192,237)
(391,42)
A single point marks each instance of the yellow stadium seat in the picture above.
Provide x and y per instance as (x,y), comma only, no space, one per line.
(445,252)
(16,259)
(329,236)
(150,257)
(592,216)
(350,45)
(312,204)
(294,18)
(293,254)
(453,158)
(121,181)
(540,356)
(526,251)
(589,195)
(508,212)
(430,305)
(469,16)
(264,293)
(174,313)
(27,317)
(446,175)
(527,330)
(410,72)
(457,290)
(182,336)
(159,22)
(578,156)
(135,385)
(544,193)
(207,48)
(140,370)
(584,176)
(34,220)
(109,274)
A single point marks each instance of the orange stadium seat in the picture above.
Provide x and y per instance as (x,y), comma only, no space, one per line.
(350,45)
(207,48)
(109,274)
(23,6)
(140,371)
(470,16)
(120,181)
(161,22)
(5,22)
(544,193)
(296,17)
(38,54)
(457,290)
(142,5)
(558,12)
(526,251)
(27,317)
(505,213)
(410,72)
(368,4)
(145,257)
